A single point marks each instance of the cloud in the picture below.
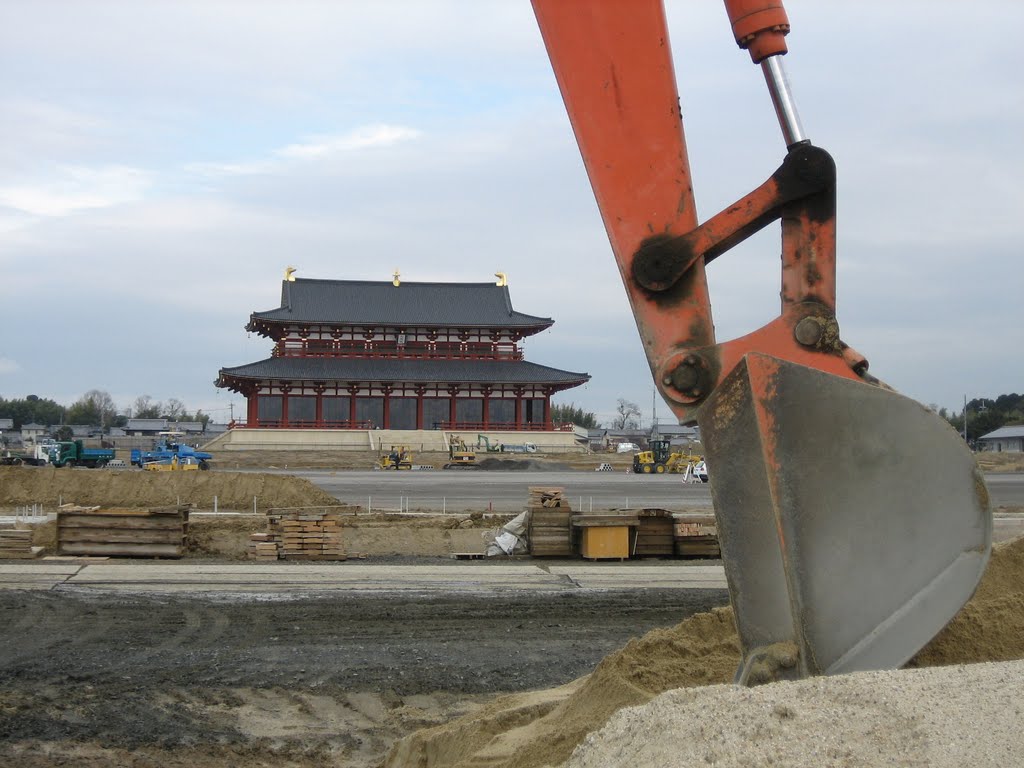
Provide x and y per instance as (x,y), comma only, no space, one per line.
(316,147)
(77,188)
(8,366)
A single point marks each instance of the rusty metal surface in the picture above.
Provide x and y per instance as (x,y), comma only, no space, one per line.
(854,522)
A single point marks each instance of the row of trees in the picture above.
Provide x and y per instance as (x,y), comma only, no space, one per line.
(627,415)
(984,415)
(95,407)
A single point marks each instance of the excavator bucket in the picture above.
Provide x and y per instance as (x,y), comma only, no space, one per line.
(854,522)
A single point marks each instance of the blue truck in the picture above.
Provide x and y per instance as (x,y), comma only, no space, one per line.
(170,447)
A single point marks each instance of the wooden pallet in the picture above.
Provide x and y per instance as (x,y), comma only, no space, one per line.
(550,528)
(654,534)
(17,545)
(157,532)
(304,535)
(696,536)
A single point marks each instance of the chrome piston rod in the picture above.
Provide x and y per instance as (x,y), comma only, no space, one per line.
(782,98)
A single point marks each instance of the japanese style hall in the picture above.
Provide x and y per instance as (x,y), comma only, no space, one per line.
(351,354)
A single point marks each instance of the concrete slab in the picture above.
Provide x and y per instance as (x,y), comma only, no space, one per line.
(292,579)
(609,576)
(37,567)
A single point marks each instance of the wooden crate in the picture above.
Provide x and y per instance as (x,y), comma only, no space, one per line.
(606,536)
(158,532)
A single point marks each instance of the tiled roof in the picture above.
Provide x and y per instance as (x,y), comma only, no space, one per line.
(1004,432)
(147,424)
(395,370)
(366,302)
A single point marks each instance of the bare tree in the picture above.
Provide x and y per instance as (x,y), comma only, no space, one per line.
(94,407)
(175,409)
(627,414)
(146,408)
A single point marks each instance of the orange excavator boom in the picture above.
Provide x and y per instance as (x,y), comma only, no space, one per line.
(853,522)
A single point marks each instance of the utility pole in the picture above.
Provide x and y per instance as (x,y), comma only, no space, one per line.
(965,418)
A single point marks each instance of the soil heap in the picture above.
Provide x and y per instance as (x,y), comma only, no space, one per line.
(135,488)
(543,728)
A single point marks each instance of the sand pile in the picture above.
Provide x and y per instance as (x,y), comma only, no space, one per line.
(136,488)
(943,717)
(543,728)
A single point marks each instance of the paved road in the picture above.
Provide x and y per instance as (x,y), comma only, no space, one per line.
(507,491)
(478,578)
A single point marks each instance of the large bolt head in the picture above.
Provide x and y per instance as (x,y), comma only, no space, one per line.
(809,331)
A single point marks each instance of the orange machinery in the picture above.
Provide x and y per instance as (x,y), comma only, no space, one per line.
(854,522)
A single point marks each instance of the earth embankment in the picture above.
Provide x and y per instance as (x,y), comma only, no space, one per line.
(135,488)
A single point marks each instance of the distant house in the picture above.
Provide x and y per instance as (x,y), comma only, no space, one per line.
(1003,440)
(188,427)
(679,436)
(145,427)
(33,433)
(82,431)
(6,425)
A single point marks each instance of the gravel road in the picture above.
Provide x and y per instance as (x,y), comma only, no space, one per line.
(173,673)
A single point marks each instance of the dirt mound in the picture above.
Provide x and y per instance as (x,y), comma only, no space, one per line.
(542,728)
(136,488)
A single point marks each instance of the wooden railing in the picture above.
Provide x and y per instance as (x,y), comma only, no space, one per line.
(463,426)
(409,351)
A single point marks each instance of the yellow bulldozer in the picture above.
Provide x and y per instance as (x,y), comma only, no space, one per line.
(398,457)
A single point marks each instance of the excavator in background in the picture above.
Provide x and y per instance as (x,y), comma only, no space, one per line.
(460,455)
(854,522)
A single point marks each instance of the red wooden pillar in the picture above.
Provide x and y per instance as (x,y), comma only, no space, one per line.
(252,409)
(453,391)
(387,407)
(284,405)
(420,392)
(353,389)
(486,415)
(547,409)
(519,407)
(319,389)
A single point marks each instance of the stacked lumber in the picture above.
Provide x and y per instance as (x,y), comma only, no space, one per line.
(655,534)
(156,532)
(262,546)
(550,528)
(696,536)
(307,535)
(17,545)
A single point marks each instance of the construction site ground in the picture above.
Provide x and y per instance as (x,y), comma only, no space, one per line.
(398,669)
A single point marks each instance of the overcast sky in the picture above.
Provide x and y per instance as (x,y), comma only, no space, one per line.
(161,163)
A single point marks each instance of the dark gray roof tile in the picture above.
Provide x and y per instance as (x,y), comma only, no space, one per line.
(394,369)
(365,302)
